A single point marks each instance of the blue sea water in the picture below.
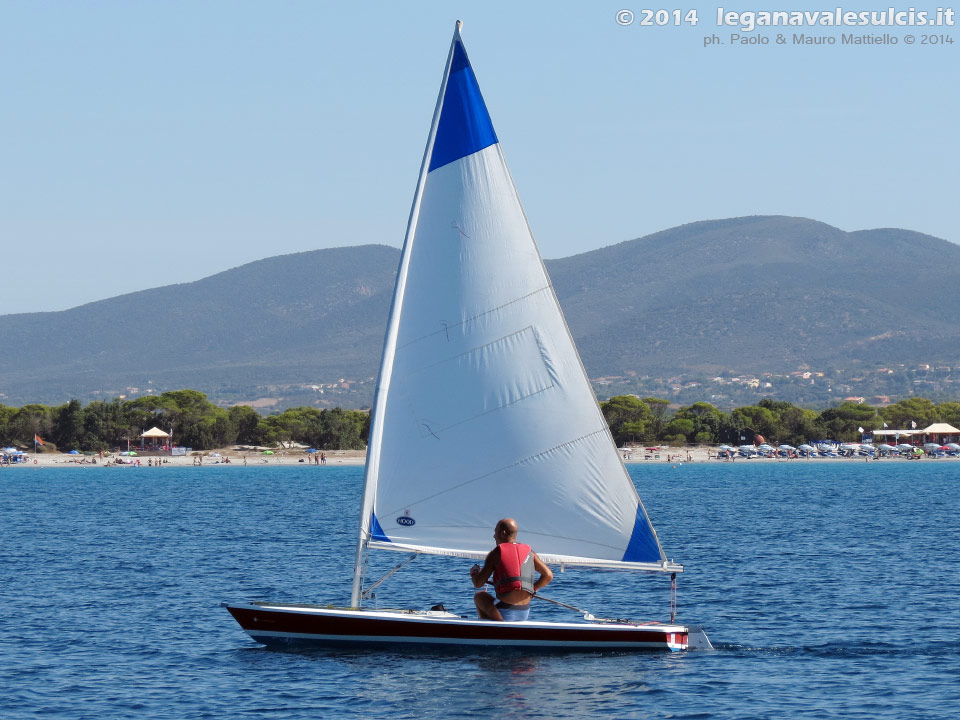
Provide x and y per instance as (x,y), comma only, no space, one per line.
(831,590)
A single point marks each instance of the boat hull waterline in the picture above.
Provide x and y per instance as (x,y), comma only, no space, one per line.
(281,624)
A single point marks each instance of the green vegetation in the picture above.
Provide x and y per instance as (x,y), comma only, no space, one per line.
(632,420)
(196,423)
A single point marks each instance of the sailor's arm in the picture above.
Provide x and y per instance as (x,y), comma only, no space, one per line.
(546,574)
(480,575)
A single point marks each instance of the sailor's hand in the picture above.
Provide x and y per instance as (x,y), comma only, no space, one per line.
(474,570)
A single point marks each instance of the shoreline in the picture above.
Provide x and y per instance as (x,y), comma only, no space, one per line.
(236,458)
(700,455)
(343,458)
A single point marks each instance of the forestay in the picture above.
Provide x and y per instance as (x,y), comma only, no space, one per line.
(483,409)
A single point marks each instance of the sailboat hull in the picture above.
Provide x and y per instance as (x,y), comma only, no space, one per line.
(280,624)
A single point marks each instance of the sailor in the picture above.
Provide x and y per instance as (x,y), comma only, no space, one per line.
(512,565)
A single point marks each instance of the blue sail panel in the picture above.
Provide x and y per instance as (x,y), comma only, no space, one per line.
(643,545)
(376,532)
(464,126)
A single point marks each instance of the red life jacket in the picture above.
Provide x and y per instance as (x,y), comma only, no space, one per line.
(515,569)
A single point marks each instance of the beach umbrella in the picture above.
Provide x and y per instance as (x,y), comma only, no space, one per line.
(267,452)
(953,446)
(312,450)
(73,452)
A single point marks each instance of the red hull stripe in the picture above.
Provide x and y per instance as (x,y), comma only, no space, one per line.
(354,627)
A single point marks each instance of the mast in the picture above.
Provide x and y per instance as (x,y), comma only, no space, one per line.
(372,468)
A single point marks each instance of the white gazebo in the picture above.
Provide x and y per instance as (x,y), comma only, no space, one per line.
(942,433)
(153,435)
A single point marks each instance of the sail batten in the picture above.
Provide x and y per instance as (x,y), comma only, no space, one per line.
(483,409)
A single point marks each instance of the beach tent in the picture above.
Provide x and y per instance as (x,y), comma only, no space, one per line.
(73,452)
(941,433)
(154,436)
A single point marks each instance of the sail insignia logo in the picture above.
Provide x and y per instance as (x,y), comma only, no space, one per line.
(406,520)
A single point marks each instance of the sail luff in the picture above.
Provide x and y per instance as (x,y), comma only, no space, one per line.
(372,467)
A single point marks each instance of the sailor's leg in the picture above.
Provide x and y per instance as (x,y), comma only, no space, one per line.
(486,608)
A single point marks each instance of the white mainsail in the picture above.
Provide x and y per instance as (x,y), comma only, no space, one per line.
(483,409)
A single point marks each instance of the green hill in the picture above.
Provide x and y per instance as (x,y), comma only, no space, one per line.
(762,293)
(749,294)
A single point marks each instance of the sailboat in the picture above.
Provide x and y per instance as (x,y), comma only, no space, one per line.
(483,410)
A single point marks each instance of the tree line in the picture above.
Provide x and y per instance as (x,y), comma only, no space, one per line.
(648,420)
(198,423)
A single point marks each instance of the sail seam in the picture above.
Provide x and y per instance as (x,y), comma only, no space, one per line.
(479,347)
(494,472)
(529,534)
(431,431)
(448,326)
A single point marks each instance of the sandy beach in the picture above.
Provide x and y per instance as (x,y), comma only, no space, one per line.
(298,458)
(229,457)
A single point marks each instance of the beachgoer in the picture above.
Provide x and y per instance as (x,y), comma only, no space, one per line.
(512,565)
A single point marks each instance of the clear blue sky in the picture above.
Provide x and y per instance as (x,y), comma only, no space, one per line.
(149,143)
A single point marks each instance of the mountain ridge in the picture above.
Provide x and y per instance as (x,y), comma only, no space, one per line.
(749,294)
